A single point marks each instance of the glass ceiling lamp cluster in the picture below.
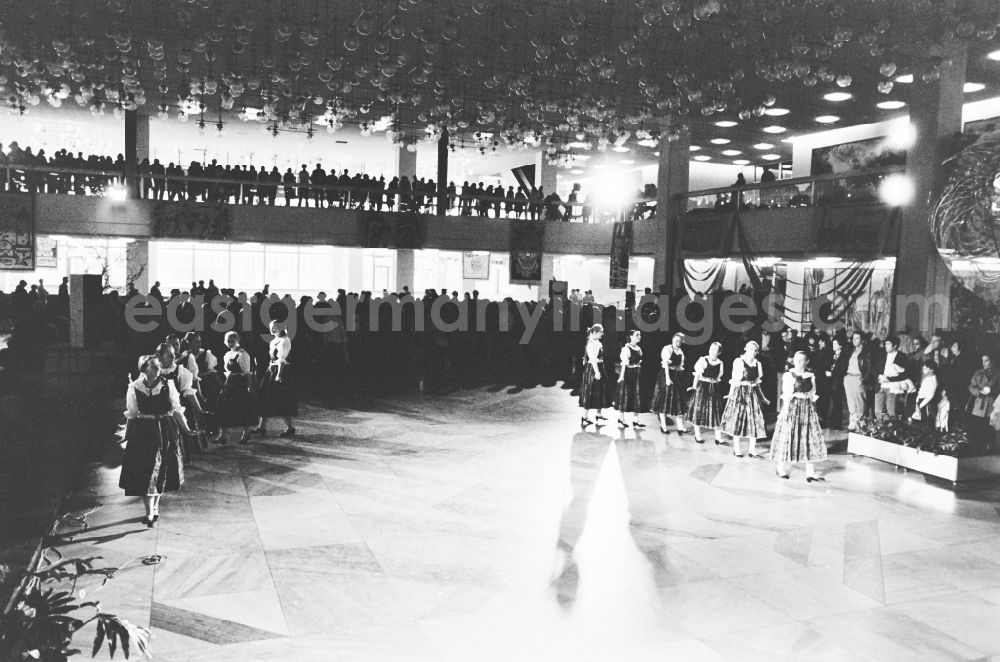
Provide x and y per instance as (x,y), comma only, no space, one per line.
(546,73)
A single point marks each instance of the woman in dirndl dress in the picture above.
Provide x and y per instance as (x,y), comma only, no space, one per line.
(669,394)
(706,403)
(236,405)
(627,394)
(154,456)
(593,388)
(275,396)
(743,416)
(798,435)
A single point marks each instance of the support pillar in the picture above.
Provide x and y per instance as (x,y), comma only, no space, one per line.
(671,180)
(138,265)
(548,272)
(545,173)
(406,163)
(405,269)
(922,280)
(136,149)
(442,173)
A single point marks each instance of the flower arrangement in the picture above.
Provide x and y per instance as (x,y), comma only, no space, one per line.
(915,434)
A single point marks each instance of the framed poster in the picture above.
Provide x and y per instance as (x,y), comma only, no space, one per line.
(17,231)
(46,252)
(476,266)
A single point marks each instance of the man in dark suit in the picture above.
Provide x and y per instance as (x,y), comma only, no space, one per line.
(892,370)
(838,370)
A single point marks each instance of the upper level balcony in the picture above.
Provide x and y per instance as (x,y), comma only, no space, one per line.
(828,214)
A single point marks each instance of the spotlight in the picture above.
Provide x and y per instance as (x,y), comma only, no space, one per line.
(897,190)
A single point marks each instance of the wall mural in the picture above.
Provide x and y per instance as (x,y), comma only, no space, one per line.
(856,155)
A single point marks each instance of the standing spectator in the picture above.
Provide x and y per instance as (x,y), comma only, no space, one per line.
(983,388)
(838,374)
(891,377)
(303,186)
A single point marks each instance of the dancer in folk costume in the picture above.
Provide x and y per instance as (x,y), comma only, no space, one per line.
(276,397)
(798,435)
(154,456)
(183,380)
(236,405)
(627,394)
(706,403)
(669,394)
(594,387)
(743,416)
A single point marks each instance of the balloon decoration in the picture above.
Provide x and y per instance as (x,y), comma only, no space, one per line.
(596,73)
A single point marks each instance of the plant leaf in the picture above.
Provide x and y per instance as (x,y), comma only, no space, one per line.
(99,638)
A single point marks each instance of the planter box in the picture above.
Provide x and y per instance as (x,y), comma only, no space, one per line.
(955,469)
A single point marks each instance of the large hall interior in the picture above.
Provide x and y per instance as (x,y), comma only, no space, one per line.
(460,330)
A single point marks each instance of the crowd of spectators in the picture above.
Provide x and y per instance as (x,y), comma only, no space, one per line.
(23,170)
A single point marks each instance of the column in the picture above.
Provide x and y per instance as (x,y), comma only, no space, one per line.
(671,179)
(137,265)
(406,163)
(548,272)
(405,268)
(442,173)
(545,173)
(136,149)
(922,279)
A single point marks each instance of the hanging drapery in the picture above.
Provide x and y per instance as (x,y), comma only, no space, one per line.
(17,231)
(704,281)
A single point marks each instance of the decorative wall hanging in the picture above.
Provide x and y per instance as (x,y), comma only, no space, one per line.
(17,231)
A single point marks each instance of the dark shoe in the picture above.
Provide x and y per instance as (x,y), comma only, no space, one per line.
(148,521)
(756,456)
(698,441)
(718,442)
(622,424)
(815,479)
(584,422)
(638,425)
(290,432)
(600,418)
(780,475)
(664,430)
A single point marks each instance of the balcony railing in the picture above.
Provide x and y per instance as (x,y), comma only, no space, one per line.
(69,181)
(856,187)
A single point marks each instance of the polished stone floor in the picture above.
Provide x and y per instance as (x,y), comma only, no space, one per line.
(484,525)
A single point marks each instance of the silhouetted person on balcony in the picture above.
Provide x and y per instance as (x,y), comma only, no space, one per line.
(767,176)
(740,182)
(303,185)
(289,181)
(158,184)
(318,178)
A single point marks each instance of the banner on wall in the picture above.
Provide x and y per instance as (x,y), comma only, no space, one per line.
(46,252)
(621,250)
(391,230)
(527,243)
(476,266)
(194,220)
(17,231)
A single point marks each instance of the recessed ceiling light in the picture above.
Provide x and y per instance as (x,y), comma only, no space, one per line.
(905,78)
(763,146)
(702,157)
(732,152)
(969,88)
(838,96)
(995,55)
(774,129)
(771,157)
(827,119)
(741,162)
(694,148)
(776,112)
(622,148)
(719,141)
(725,124)
(890,105)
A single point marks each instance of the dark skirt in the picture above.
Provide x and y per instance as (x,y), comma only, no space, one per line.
(236,406)
(594,392)
(743,416)
(276,398)
(627,393)
(668,399)
(706,405)
(798,436)
(153,461)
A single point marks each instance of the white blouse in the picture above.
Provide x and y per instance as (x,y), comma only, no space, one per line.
(132,402)
(241,357)
(192,363)
(594,351)
(185,380)
(702,363)
(739,370)
(280,347)
(667,352)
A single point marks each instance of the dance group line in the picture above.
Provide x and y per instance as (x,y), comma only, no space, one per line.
(798,435)
(180,398)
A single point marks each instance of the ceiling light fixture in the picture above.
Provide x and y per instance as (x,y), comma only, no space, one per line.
(890,105)
(774,129)
(838,96)
(776,112)
(720,141)
(741,162)
(694,148)
(970,88)
(827,119)
(725,124)
(763,146)
(905,79)
(771,157)
(702,157)
(732,152)
(995,55)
